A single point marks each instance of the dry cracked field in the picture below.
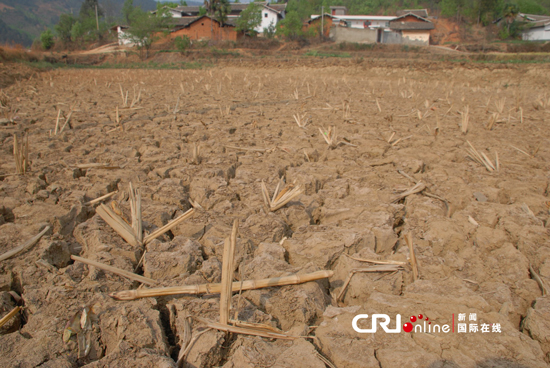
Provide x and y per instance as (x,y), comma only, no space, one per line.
(208,138)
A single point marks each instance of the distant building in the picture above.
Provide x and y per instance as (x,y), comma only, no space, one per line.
(338,10)
(271,13)
(413,29)
(206,28)
(537,27)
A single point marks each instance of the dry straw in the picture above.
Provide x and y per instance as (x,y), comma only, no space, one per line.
(21,154)
(409,241)
(301,120)
(382,268)
(133,234)
(280,199)
(216,288)
(465,120)
(115,270)
(482,159)
(29,243)
(9,316)
(227,274)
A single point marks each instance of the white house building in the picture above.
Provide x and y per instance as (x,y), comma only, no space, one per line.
(537,29)
(271,15)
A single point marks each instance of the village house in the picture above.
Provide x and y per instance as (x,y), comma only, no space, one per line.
(412,29)
(410,26)
(271,13)
(122,35)
(537,27)
(206,28)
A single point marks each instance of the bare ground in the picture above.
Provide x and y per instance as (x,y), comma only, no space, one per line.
(474,245)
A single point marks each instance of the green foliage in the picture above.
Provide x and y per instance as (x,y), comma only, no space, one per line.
(127,10)
(269,31)
(64,27)
(202,11)
(250,19)
(77,31)
(46,38)
(146,28)
(182,43)
(221,8)
(291,26)
(532,7)
(88,9)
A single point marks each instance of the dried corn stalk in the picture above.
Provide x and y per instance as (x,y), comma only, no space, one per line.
(280,199)
(21,154)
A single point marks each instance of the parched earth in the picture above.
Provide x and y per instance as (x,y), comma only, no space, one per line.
(480,234)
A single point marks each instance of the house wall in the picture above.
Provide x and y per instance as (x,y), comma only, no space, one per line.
(201,30)
(345,34)
(416,38)
(392,38)
(268,17)
(536,34)
(122,38)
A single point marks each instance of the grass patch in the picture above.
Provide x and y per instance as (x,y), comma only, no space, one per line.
(321,54)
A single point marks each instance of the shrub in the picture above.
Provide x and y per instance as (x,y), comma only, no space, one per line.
(182,43)
(46,38)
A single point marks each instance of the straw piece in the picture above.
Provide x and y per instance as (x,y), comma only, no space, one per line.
(383,268)
(248,149)
(135,208)
(97,166)
(115,270)
(99,199)
(67,121)
(408,239)
(538,280)
(183,353)
(155,234)
(9,316)
(118,224)
(57,122)
(416,189)
(246,331)
(280,199)
(375,261)
(29,243)
(227,274)
(216,288)
(522,151)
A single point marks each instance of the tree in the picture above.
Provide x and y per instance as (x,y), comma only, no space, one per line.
(146,28)
(510,11)
(88,9)
(77,31)
(221,8)
(291,26)
(64,26)
(127,10)
(250,19)
(46,38)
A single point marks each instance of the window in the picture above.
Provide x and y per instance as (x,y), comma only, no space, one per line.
(265,15)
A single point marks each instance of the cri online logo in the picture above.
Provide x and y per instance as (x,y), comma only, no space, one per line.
(384,321)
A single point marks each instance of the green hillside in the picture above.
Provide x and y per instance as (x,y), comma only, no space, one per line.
(21,21)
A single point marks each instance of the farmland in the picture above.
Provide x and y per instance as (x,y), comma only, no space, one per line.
(447,160)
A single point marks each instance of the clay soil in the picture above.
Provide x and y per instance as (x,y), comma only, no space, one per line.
(475,242)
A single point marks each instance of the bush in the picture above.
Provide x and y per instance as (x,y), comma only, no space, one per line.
(46,38)
(182,43)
